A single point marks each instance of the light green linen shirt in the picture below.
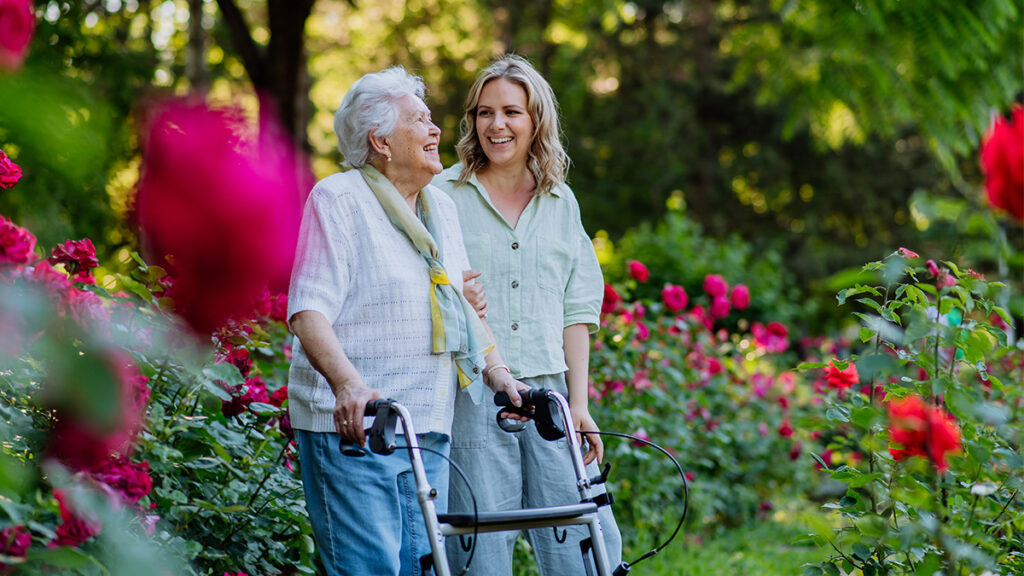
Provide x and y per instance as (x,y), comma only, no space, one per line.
(539,277)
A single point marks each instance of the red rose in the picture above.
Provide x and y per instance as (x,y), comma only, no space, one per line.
(740,297)
(10,172)
(638,271)
(72,530)
(17,23)
(785,429)
(15,541)
(715,285)
(77,256)
(921,430)
(1002,160)
(611,299)
(674,297)
(226,209)
(841,379)
(17,245)
(131,480)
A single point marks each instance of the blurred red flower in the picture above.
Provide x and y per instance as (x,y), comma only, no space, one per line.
(224,206)
(1002,160)
(675,297)
(10,172)
(638,271)
(921,430)
(611,299)
(77,256)
(841,379)
(72,530)
(740,297)
(786,429)
(15,541)
(17,24)
(131,480)
(17,245)
(715,285)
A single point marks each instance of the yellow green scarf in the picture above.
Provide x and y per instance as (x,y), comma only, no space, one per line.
(456,327)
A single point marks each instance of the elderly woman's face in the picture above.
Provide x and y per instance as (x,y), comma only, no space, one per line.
(414,142)
(503,123)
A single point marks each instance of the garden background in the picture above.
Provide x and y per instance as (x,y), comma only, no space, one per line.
(808,214)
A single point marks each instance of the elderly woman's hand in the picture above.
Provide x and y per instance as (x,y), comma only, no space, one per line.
(473,290)
(349,408)
(501,380)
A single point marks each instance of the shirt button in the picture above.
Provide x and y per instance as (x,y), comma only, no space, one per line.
(515,245)
(515,326)
(515,283)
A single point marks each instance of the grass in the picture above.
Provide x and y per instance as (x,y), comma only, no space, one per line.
(760,549)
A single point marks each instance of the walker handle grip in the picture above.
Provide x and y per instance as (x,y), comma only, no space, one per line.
(531,397)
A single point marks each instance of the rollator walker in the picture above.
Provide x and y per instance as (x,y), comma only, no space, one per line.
(554,421)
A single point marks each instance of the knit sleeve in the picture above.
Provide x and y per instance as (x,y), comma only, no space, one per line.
(321,273)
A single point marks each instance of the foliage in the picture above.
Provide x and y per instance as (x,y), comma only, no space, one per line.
(203,485)
(933,492)
(667,369)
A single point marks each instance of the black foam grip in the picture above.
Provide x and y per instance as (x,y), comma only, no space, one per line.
(530,397)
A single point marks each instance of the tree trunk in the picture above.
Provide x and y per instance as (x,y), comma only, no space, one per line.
(277,73)
(195,63)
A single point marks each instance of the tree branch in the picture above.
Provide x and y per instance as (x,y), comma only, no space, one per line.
(252,60)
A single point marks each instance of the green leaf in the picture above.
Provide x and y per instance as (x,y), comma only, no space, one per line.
(861,551)
(225,371)
(813,571)
(811,365)
(866,334)
(61,557)
(831,569)
(871,525)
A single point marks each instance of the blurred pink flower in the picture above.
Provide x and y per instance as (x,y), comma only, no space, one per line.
(279,396)
(17,245)
(715,285)
(638,271)
(254,390)
(773,337)
(77,256)
(739,297)
(226,208)
(15,541)
(238,356)
(908,254)
(714,365)
(641,434)
(674,297)
(10,172)
(933,268)
(1002,161)
(17,24)
(794,452)
(720,307)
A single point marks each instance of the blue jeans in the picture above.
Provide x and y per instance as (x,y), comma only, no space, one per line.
(364,512)
(522,470)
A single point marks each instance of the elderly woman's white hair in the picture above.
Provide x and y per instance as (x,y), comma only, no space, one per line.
(369,106)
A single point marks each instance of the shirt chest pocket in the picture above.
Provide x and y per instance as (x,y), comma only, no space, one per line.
(554,261)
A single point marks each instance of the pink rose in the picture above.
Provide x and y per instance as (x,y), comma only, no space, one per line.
(73,530)
(720,307)
(908,254)
(17,23)
(638,271)
(739,297)
(674,297)
(226,208)
(10,172)
(1002,161)
(17,245)
(715,285)
(773,337)
(130,480)
(933,268)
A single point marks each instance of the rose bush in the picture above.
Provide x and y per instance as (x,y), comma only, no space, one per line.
(931,401)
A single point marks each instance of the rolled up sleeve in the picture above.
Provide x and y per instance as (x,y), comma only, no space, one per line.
(585,288)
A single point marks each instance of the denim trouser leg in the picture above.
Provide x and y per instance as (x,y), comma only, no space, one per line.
(510,471)
(364,512)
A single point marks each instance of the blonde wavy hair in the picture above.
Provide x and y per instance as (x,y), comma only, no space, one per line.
(547,158)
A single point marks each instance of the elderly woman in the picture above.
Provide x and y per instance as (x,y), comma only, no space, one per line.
(544,290)
(374,316)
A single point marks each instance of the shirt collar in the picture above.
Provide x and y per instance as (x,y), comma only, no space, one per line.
(453,172)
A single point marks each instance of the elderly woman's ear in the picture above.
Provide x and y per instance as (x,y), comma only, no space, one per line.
(379,144)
